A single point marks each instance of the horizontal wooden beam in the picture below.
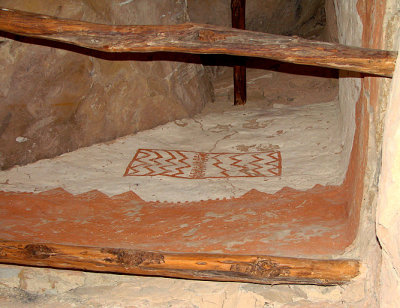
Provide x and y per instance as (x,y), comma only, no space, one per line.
(198,39)
(217,267)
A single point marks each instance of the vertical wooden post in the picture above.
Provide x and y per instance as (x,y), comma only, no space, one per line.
(239,71)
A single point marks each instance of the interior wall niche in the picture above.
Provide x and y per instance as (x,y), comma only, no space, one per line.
(319,221)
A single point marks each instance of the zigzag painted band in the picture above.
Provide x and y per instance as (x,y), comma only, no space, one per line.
(200,165)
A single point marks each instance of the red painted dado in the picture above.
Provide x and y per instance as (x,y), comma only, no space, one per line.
(287,223)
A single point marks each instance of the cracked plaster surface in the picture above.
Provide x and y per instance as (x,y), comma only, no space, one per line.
(307,137)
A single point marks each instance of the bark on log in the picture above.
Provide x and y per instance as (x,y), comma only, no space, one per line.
(239,71)
(217,267)
(198,39)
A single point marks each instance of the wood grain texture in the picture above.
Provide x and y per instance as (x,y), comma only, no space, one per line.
(217,267)
(238,8)
(239,84)
(198,39)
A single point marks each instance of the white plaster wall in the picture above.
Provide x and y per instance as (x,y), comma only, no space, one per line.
(350,33)
(392,23)
(388,212)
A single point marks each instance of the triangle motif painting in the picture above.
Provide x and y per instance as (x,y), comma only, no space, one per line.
(201,165)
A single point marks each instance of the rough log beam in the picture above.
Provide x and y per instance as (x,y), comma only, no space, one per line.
(218,267)
(239,71)
(198,39)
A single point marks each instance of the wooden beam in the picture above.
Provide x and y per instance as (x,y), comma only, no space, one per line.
(198,39)
(239,71)
(217,267)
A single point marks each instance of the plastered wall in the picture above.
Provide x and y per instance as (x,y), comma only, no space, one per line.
(388,214)
(375,24)
(388,211)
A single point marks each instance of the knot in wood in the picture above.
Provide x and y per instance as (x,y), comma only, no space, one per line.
(38,251)
(128,258)
(261,268)
(210,36)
